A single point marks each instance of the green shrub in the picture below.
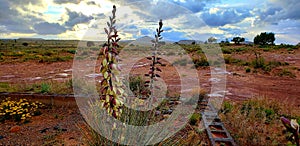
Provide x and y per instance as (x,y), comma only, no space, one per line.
(231,60)
(195,118)
(45,88)
(244,63)
(199,52)
(226,50)
(240,49)
(71,51)
(286,73)
(1,55)
(25,44)
(248,70)
(137,86)
(266,66)
(200,62)
(48,53)
(51,59)
(227,107)
(270,115)
(190,48)
(258,62)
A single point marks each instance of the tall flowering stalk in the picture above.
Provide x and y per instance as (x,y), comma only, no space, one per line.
(155,61)
(293,127)
(111,93)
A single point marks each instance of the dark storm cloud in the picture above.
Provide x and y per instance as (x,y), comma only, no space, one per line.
(269,14)
(24,2)
(76,18)
(125,1)
(12,20)
(91,3)
(192,5)
(49,28)
(223,17)
(67,1)
(277,11)
(290,9)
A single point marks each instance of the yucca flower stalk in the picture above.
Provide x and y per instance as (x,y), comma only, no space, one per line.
(111,92)
(293,127)
(155,61)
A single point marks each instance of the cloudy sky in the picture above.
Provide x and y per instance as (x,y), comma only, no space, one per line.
(183,19)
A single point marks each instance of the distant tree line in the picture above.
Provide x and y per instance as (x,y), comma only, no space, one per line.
(264,38)
(238,40)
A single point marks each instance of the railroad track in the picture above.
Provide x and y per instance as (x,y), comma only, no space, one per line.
(215,129)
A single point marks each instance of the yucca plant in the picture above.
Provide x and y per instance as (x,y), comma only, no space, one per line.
(111,93)
(155,62)
(293,127)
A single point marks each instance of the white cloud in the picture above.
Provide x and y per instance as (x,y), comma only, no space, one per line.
(214,10)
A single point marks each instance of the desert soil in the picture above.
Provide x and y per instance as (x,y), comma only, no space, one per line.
(240,86)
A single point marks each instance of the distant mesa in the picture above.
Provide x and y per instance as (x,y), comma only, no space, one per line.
(143,41)
(30,39)
(247,43)
(147,41)
(186,42)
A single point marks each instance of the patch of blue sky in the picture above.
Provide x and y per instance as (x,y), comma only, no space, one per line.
(55,10)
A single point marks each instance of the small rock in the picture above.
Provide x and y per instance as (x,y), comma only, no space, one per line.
(44,130)
(15,129)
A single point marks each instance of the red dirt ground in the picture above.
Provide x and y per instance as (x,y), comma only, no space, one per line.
(240,86)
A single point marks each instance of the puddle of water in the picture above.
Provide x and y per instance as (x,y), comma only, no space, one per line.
(94,75)
(140,65)
(215,80)
(68,70)
(187,90)
(220,71)
(60,79)
(214,95)
(62,75)
(35,78)
(9,76)
(51,72)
